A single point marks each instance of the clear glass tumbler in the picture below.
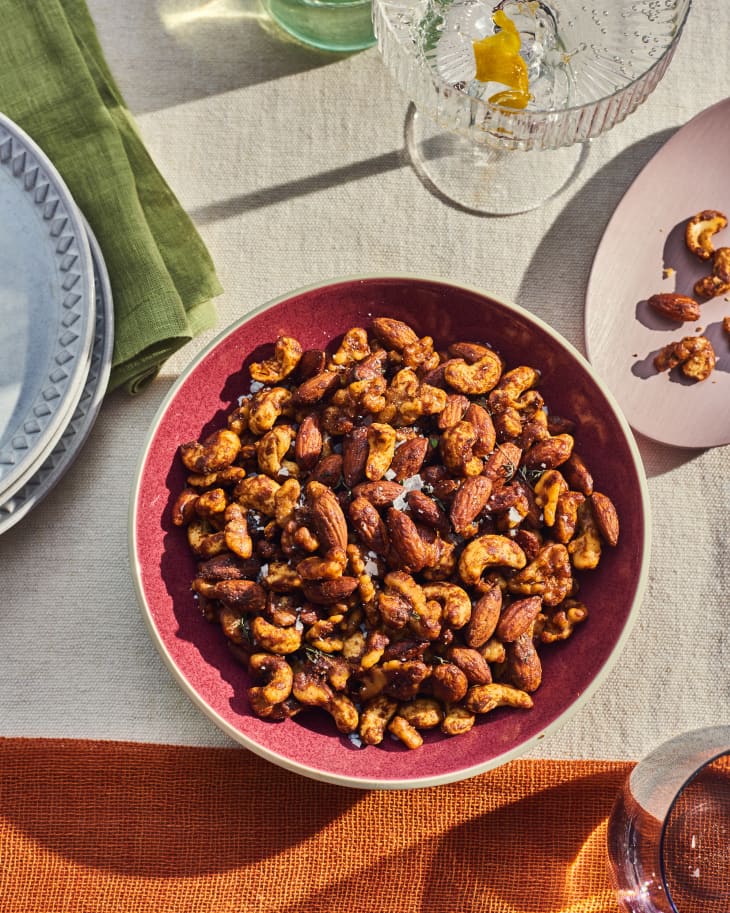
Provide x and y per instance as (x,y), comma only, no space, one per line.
(342,26)
(669,832)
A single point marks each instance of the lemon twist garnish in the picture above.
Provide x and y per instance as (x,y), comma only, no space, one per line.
(498,60)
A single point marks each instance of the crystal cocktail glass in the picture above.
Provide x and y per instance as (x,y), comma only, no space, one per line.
(589,66)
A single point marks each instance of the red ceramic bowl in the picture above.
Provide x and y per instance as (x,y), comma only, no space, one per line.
(195,650)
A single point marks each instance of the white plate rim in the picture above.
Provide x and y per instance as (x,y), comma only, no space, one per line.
(40,180)
(60,459)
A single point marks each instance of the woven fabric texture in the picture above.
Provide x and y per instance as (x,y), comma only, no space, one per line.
(108,826)
(55,84)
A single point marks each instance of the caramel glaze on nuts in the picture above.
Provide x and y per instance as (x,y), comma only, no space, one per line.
(392,533)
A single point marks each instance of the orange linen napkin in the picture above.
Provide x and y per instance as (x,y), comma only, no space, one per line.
(110,826)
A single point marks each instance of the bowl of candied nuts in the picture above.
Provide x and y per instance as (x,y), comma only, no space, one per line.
(389,531)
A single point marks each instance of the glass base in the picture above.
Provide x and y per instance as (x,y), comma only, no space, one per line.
(483,179)
(342,26)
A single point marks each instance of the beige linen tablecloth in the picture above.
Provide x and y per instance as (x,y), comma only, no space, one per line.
(292,165)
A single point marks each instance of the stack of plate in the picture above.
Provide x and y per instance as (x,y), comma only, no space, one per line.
(56,326)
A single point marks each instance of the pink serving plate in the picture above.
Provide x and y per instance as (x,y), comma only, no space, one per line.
(195,650)
(643,252)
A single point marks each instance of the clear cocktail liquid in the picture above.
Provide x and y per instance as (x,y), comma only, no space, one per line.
(576,53)
(680,865)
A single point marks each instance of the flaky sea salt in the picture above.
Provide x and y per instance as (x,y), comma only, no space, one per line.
(412,483)
(514,516)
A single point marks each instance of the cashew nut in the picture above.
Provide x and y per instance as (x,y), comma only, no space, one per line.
(474,379)
(489,551)
(353,348)
(183,510)
(217,451)
(236,532)
(422,713)
(376,715)
(457,721)
(203,541)
(457,449)
(272,447)
(483,698)
(455,603)
(700,229)
(266,407)
(276,675)
(276,640)
(402,729)
(512,385)
(257,493)
(211,505)
(449,683)
(381,447)
(287,352)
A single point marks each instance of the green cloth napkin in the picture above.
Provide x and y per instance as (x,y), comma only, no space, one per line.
(56,85)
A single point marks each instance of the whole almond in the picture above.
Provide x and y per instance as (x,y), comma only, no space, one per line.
(486,434)
(354,456)
(523,664)
(316,388)
(378,493)
(369,525)
(469,501)
(471,352)
(394,334)
(312,362)
(405,542)
(308,443)
(369,367)
(329,522)
(679,308)
(409,457)
(549,453)
(328,592)
(472,664)
(328,470)
(502,464)
(427,511)
(606,517)
(576,474)
(243,595)
(453,411)
(517,618)
(484,617)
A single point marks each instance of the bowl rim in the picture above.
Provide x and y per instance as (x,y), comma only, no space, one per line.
(548,115)
(360,782)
